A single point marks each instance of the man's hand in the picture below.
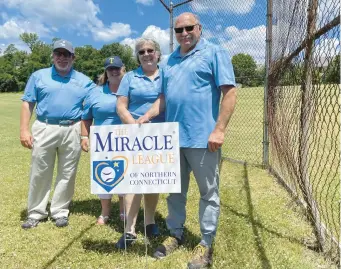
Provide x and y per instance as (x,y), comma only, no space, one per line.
(26,139)
(85,144)
(215,140)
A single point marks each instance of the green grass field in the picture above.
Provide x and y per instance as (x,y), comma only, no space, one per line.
(244,140)
(260,227)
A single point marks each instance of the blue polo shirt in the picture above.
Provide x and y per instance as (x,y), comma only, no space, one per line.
(141,92)
(100,105)
(191,88)
(57,97)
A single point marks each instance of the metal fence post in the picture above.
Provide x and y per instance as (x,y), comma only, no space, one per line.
(268,57)
(171,27)
(170,9)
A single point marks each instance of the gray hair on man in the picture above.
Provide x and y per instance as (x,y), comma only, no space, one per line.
(196,17)
(141,41)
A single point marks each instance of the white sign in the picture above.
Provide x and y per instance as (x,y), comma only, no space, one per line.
(133,158)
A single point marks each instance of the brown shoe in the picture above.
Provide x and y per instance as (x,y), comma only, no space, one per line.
(167,247)
(202,257)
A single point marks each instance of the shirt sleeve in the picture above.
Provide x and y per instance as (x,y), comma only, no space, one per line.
(87,109)
(30,93)
(222,68)
(123,89)
(90,85)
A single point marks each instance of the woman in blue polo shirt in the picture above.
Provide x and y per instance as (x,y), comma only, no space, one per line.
(137,92)
(100,109)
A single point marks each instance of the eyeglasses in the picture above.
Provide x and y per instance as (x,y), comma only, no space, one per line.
(142,52)
(66,54)
(189,28)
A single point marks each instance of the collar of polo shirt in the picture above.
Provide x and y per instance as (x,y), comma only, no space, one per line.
(55,73)
(199,46)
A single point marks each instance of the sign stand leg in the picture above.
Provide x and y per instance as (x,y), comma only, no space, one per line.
(145,239)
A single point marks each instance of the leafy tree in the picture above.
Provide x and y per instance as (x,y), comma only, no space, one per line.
(125,52)
(11,49)
(260,76)
(332,73)
(16,66)
(245,69)
(31,40)
(55,39)
(88,61)
(8,81)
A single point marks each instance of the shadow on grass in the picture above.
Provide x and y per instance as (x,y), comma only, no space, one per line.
(255,228)
(92,207)
(61,252)
(257,225)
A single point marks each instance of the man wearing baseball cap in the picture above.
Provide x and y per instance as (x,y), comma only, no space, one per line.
(57,93)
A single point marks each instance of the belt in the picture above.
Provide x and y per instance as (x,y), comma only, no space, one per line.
(63,122)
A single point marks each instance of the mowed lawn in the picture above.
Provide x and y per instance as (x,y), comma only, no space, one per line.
(260,227)
(245,130)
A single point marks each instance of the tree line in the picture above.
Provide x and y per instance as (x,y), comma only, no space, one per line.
(16,65)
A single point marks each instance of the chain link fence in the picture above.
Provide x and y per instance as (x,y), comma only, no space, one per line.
(302,96)
(246,46)
(304,107)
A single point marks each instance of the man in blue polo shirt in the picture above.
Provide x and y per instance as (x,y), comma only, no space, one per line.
(195,76)
(58,93)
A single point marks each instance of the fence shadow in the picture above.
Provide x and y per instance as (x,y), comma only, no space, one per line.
(255,228)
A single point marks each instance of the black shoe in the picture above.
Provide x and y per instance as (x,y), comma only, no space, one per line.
(126,240)
(152,230)
(202,257)
(62,222)
(167,247)
(30,223)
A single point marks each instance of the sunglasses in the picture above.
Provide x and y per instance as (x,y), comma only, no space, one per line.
(149,51)
(66,54)
(189,28)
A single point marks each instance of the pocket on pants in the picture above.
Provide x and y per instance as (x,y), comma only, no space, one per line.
(38,131)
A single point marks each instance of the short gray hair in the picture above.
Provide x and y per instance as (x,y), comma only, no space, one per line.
(142,41)
(196,17)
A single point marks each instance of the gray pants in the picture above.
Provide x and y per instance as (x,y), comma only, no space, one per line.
(205,166)
(51,141)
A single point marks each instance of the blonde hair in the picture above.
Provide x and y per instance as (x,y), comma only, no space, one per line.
(142,41)
(103,78)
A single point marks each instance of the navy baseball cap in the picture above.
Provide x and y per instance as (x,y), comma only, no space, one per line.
(63,44)
(113,61)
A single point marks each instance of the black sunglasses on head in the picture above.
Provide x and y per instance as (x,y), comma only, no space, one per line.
(142,52)
(189,28)
(58,53)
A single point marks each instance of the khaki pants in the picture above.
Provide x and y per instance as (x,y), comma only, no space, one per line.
(51,141)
